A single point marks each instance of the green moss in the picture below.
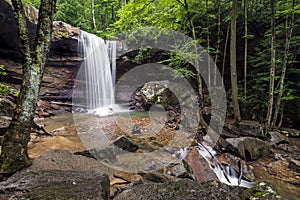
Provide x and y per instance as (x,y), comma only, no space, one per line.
(63,35)
(261,191)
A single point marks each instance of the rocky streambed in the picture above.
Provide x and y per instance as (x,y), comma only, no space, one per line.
(63,169)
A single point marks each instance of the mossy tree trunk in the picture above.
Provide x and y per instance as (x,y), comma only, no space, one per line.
(14,154)
(233,68)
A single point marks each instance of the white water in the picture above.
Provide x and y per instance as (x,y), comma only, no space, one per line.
(99,69)
(112,54)
(225,174)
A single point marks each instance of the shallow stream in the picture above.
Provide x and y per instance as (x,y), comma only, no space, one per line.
(154,140)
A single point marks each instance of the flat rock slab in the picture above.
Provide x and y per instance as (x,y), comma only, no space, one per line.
(56,184)
(56,159)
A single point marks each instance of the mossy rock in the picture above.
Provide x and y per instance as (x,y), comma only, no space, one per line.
(192,190)
(56,184)
(261,191)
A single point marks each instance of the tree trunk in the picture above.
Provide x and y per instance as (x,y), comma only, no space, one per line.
(289,32)
(14,154)
(93,15)
(233,71)
(246,47)
(272,69)
(225,50)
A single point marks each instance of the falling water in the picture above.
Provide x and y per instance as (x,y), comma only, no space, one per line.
(97,74)
(112,54)
(226,174)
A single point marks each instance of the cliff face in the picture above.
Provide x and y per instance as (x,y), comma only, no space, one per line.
(9,41)
(63,62)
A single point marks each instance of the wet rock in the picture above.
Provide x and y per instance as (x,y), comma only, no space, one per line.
(251,128)
(191,190)
(107,154)
(126,144)
(250,148)
(280,141)
(240,166)
(56,184)
(294,165)
(181,169)
(200,167)
(136,130)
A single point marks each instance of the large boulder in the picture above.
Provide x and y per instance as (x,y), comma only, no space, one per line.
(56,184)
(251,128)
(250,148)
(158,92)
(191,190)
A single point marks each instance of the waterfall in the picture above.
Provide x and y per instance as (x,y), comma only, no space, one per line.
(96,73)
(112,54)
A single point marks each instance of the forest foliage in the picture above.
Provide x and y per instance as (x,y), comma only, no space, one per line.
(207,22)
